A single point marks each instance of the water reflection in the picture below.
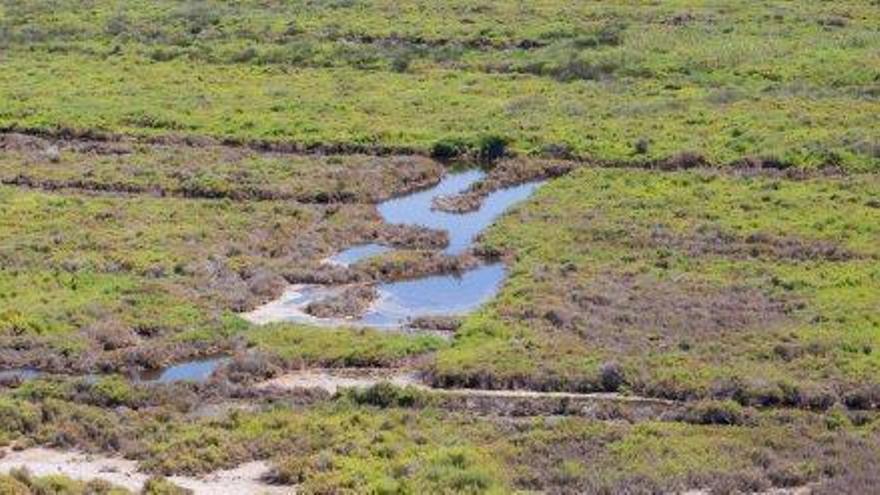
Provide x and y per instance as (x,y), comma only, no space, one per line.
(415,209)
(435,295)
(198,371)
(428,296)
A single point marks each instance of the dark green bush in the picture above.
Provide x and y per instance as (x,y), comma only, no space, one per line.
(387,395)
(449,149)
(492,148)
(158,485)
(612,377)
(485,149)
(716,413)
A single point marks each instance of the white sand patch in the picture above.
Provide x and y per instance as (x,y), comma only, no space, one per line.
(289,307)
(332,380)
(244,479)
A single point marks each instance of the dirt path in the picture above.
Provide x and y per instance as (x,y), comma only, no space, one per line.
(501,403)
(244,479)
(332,380)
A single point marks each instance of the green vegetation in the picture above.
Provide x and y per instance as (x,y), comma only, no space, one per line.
(628,82)
(22,483)
(345,444)
(715,239)
(142,274)
(695,283)
(207,170)
(120,271)
(297,344)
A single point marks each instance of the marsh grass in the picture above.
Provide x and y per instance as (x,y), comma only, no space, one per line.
(387,436)
(697,284)
(154,192)
(733,81)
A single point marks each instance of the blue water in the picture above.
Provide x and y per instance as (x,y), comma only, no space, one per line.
(354,254)
(198,371)
(415,209)
(398,301)
(435,295)
(428,296)
(193,371)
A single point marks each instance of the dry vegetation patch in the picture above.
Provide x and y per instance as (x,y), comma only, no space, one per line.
(207,169)
(623,312)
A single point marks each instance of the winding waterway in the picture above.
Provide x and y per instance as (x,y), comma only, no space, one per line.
(400,302)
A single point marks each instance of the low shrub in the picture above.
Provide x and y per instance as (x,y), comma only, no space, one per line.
(486,149)
(612,377)
(716,413)
(491,148)
(448,149)
(158,485)
(12,486)
(387,395)
(18,417)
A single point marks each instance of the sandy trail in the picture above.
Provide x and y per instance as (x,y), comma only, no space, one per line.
(244,479)
(332,380)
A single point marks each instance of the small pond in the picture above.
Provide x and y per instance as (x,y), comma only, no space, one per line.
(197,371)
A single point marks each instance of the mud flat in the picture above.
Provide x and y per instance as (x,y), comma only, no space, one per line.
(244,479)
(397,302)
(400,302)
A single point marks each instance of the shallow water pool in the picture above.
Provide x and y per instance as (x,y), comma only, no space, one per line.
(399,302)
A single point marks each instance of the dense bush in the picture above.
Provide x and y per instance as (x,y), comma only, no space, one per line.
(388,395)
(158,485)
(17,417)
(612,377)
(716,413)
(486,149)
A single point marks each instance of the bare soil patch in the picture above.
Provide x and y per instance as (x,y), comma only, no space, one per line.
(349,303)
(245,479)
(603,406)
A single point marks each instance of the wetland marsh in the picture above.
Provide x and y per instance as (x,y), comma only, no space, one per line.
(369,246)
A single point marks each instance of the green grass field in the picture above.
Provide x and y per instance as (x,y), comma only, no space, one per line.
(715,239)
(685,279)
(394,440)
(627,82)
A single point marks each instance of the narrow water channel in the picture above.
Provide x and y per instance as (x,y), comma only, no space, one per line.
(195,371)
(399,302)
